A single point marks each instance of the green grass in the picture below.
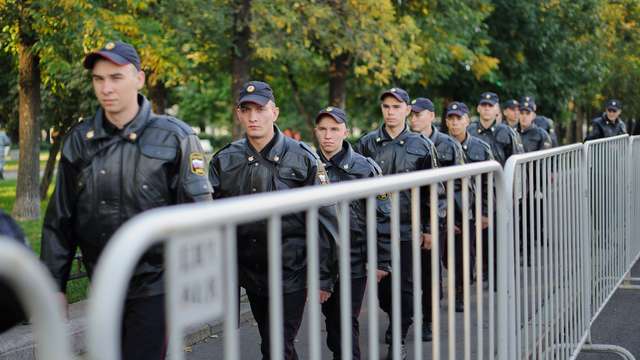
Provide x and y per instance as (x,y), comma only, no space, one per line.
(76,289)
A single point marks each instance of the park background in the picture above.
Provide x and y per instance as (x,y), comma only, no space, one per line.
(570,54)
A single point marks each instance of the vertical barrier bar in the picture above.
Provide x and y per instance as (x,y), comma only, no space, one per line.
(275,287)
(372,286)
(313,281)
(231,343)
(479,261)
(538,196)
(548,326)
(451,273)
(466,269)
(519,178)
(395,275)
(435,271)
(504,302)
(345,279)
(417,269)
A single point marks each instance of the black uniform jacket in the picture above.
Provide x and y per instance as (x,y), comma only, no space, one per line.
(504,141)
(547,125)
(11,310)
(238,169)
(534,138)
(476,150)
(106,176)
(406,152)
(602,127)
(349,165)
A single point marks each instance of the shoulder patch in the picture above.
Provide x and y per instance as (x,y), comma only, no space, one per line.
(196,160)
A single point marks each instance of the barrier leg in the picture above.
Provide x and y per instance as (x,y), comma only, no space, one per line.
(609,349)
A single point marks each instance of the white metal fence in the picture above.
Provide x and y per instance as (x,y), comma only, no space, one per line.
(565,238)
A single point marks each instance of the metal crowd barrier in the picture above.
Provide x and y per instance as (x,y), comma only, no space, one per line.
(33,285)
(200,242)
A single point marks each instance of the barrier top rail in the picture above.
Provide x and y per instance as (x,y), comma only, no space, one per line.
(36,290)
(135,237)
(515,160)
(607,139)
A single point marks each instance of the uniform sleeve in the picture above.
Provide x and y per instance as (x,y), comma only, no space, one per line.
(429,162)
(193,184)
(58,243)
(360,147)
(328,231)
(546,142)
(214,176)
(516,144)
(595,132)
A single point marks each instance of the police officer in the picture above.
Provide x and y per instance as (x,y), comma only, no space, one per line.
(11,312)
(533,138)
(398,150)
(609,123)
(344,164)
(449,154)
(504,141)
(475,150)
(121,162)
(542,122)
(511,112)
(5,142)
(267,160)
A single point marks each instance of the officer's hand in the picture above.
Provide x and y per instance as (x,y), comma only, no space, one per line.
(324,296)
(426,241)
(380,274)
(485,222)
(64,305)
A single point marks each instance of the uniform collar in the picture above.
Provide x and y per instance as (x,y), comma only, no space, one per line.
(612,122)
(343,159)
(524,131)
(465,143)
(482,129)
(435,134)
(273,151)
(131,131)
(382,135)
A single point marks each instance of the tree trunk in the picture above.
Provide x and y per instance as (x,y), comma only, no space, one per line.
(158,97)
(579,123)
(27,205)
(338,72)
(240,55)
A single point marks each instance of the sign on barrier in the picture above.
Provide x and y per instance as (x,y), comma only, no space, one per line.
(195,279)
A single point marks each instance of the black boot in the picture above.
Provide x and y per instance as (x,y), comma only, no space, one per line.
(387,336)
(459,301)
(427,334)
(403,352)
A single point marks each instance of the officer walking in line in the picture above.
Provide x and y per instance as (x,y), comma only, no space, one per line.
(511,112)
(398,150)
(609,123)
(475,150)
(344,164)
(449,154)
(533,138)
(267,160)
(542,122)
(504,141)
(5,142)
(121,162)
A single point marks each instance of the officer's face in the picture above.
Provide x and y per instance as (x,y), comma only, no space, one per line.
(330,134)
(116,86)
(457,125)
(511,114)
(257,119)
(488,112)
(394,111)
(526,118)
(613,114)
(421,121)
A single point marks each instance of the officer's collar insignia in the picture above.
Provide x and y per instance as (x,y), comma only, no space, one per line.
(90,134)
(345,166)
(250,158)
(413,101)
(378,139)
(110,45)
(329,109)
(488,96)
(276,158)
(401,142)
(479,131)
(251,88)
(196,160)
(454,107)
(133,136)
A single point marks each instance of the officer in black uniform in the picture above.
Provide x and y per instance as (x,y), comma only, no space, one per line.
(266,160)
(344,164)
(398,150)
(475,150)
(121,162)
(609,123)
(542,122)
(511,112)
(533,138)
(449,154)
(11,311)
(504,141)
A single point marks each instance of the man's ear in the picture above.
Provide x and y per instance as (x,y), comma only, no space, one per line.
(140,76)
(276,112)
